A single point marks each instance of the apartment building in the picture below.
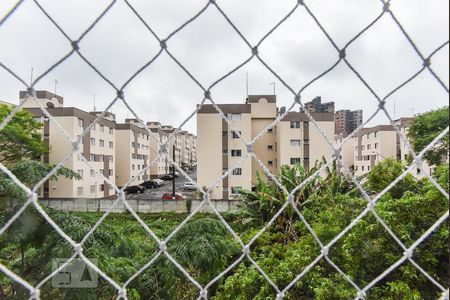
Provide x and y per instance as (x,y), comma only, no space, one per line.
(133,151)
(158,168)
(347,151)
(404,124)
(98,147)
(348,121)
(220,149)
(373,145)
(316,105)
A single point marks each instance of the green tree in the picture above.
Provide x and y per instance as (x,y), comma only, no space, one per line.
(385,172)
(20,138)
(425,128)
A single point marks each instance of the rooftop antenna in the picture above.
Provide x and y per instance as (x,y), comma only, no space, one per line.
(31,79)
(274,87)
(56,83)
(395,108)
(246,83)
(95,109)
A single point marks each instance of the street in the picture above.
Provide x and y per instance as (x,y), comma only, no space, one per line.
(156,193)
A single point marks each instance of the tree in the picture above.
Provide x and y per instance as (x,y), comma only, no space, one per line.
(425,128)
(385,172)
(20,138)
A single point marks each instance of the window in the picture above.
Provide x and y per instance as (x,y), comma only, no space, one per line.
(92,142)
(235,135)
(270,130)
(110,158)
(102,143)
(295,143)
(306,142)
(132,167)
(375,134)
(295,124)
(235,117)
(102,171)
(362,168)
(80,191)
(111,130)
(111,145)
(270,163)
(81,173)
(133,144)
(237,171)
(406,157)
(92,189)
(92,173)
(363,147)
(102,128)
(236,189)
(270,147)
(80,123)
(139,167)
(101,158)
(368,135)
(295,161)
(235,153)
(102,187)
(376,146)
(91,157)
(369,147)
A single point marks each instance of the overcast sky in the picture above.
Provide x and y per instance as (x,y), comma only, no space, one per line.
(209,47)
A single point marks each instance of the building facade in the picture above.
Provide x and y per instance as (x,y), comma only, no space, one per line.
(348,121)
(97,147)
(121,152)
(221,149)
(133,150)
(316,105)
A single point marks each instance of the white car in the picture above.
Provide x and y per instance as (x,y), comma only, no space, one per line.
(189,186)
(159,182)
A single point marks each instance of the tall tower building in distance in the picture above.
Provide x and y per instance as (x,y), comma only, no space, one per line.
(348,121)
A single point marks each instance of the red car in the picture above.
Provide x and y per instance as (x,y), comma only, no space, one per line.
(168,196)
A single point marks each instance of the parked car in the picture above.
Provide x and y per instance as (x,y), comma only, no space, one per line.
(158,182)
(167,178)
(134,189)
(150,184)
(189,186)
(168,196)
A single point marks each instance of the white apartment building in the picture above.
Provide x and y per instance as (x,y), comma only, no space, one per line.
(133,151)
(290,142)
(373,145)
(98,147)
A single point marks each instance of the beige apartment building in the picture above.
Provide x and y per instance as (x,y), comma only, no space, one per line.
(185,148)
(290,142)
(133,151)
(119,151)
(373,145)
(98,147)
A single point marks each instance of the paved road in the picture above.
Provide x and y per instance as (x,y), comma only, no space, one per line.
(157,193)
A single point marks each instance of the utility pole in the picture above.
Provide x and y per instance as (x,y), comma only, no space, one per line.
(173,172)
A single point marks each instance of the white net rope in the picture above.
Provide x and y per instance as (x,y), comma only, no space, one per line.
(207,98)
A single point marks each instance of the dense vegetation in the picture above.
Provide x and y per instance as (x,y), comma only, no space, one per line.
(205,248)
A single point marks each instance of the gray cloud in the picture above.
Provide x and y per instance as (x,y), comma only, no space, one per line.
(298,51)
